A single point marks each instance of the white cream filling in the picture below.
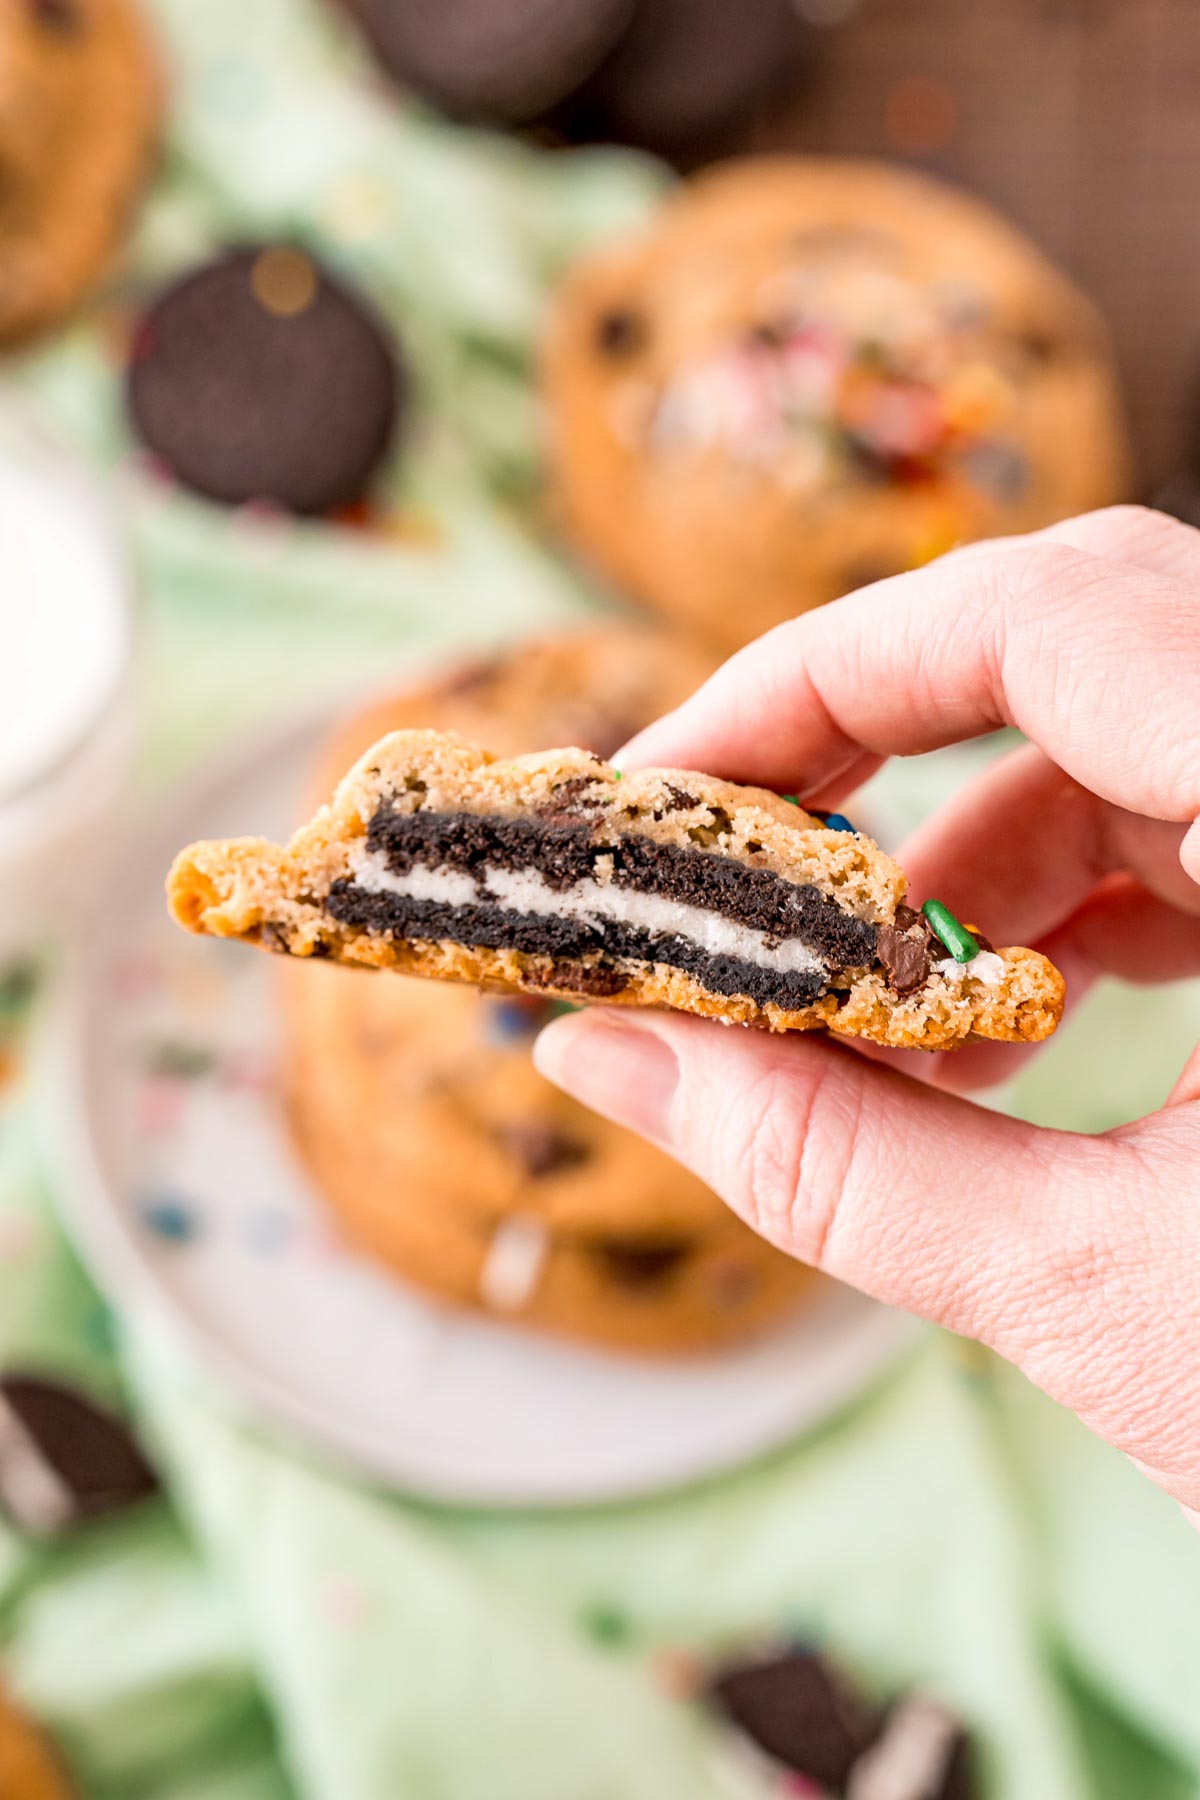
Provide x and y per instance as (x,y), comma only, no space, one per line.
(912,1756)
(524,891)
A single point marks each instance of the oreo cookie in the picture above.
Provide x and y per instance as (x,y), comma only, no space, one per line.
(687,72)
(800,1710)
(921,1753)
(494,62)
(260,377)
(63,1458)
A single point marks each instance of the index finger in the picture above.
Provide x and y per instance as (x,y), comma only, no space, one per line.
(1097,661)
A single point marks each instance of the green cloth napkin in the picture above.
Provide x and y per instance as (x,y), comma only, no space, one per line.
(274,1628)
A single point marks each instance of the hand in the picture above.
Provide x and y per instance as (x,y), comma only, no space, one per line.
(1076,1257)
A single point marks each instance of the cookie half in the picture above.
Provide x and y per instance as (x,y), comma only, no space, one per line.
(553,873)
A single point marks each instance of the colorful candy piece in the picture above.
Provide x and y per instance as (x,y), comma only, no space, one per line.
(950,932)
(832,821)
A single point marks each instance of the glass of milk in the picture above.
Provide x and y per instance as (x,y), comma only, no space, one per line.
(67,724)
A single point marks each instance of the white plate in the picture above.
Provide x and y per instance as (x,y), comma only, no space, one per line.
(186,1197)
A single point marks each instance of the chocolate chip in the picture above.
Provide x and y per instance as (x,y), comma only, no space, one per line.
(63,1458)
(801,1711)
(770,334)
(61,16)
(905,959)
(541,1150)
(567,804)
(680,800)
(621,332)
(1040,346)
(636,1263)
(594,979)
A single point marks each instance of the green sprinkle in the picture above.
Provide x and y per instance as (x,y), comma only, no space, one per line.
(955,936)
(792,799)
(617,776)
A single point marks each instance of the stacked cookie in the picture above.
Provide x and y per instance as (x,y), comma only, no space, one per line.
(806,375)
(437,1145)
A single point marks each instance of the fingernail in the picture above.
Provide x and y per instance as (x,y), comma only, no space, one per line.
(615,1065)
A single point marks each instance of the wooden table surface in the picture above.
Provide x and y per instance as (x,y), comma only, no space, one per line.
(1081,119)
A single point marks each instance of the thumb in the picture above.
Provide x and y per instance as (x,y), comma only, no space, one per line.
(1067,1254)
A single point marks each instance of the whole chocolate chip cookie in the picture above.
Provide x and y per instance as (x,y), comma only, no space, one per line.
(261,377)
(78,116)
(806,375)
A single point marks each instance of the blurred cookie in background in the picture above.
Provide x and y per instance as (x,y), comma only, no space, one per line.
(29,1768)
(807,375)
(673,76)
(79,103)
(435,1142)
(259,376)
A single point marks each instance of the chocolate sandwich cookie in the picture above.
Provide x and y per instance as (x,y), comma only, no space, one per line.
(434,1142)
(803,1715)
(63,1458)
(687,73)
(496,62)
(806,375)
(261,377)
(78,117)
(29,1767)
(554,874)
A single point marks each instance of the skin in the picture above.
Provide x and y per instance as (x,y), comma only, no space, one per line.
(1075,1257)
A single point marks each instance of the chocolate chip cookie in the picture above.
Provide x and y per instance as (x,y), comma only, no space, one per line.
(806,375)
(555,874)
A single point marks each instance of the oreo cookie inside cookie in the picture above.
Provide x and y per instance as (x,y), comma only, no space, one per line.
(498,62)
(260,377)
(549,887)
(63,1458)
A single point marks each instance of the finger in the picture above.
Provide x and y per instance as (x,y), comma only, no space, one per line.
(1070,1255)
(1037,635)
(1023,845)
(1135,535)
